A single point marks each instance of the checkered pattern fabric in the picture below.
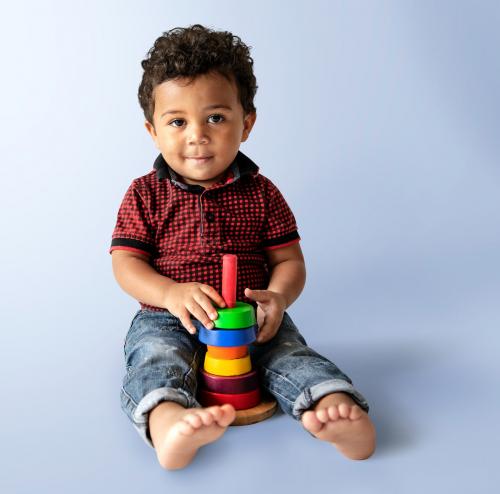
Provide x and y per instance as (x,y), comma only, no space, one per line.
(186,229)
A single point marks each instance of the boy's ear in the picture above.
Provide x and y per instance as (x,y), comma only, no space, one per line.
(152,132)
(248,124)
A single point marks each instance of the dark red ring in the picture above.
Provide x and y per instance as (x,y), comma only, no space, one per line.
(229,384)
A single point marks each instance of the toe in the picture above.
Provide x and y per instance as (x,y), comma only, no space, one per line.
(206,417)
(356,413)
(322,415)
(310,422)
(333,413)
(216,412)
(184,428)
(227,416)
(344,410)
(193,419)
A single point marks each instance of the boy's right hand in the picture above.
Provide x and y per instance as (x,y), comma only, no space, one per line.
(185,299)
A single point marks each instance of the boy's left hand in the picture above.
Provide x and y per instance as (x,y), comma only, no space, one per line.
(270,309)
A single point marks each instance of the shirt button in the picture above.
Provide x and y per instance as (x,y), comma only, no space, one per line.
(210,217)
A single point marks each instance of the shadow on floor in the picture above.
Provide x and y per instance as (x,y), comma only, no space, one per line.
(386,374)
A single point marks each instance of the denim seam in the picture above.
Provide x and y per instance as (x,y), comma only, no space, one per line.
(129,397)
(190,369)
(280,395)
(282,377)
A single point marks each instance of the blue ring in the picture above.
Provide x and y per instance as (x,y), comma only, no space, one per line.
(226,337)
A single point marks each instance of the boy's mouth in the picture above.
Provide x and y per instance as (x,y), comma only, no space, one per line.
(199,159)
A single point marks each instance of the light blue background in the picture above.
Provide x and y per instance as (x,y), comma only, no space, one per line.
(380,123)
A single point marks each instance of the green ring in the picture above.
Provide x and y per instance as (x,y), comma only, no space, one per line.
(240,316)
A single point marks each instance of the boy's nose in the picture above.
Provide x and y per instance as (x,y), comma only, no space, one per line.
(198,140)
(198,136)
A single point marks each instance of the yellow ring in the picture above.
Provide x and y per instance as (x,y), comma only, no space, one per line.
(224,367)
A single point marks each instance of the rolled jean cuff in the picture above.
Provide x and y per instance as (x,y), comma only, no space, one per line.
(311,395)
(154,398)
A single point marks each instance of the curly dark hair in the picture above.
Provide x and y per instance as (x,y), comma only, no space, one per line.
(192,51)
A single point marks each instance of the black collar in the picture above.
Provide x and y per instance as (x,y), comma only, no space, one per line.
(241,166)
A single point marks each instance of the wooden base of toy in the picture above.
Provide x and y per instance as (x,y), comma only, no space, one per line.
(259,413)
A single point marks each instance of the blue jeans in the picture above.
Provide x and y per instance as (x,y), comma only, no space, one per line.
(162,360)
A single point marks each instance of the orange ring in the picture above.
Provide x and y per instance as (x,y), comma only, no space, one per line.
(227,352)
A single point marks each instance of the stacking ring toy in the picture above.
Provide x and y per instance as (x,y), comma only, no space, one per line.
(224,337)
(226,376)
(240,401)
(242,315)
(229,384)
(227,352)
(222,367)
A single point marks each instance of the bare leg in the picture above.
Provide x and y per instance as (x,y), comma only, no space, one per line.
(177,432)
(337,419)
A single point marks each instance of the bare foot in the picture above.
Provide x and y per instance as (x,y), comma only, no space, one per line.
(337,419)
(182,431)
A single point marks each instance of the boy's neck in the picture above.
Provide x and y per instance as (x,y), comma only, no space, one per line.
(221,180)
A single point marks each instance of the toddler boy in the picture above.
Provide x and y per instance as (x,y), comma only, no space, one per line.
(204,198)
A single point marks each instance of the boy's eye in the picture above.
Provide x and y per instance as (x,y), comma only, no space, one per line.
(219,118)
(176,120)
(216,118)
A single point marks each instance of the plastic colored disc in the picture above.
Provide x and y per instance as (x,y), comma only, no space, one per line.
(225,337)
(222,367)
(229,384)
(240,401)
(227,352)
(240,316)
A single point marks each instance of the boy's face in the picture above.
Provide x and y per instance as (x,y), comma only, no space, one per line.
(203,119)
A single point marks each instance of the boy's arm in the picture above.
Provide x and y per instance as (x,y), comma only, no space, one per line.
(288,272)
(140,280)
(288,275)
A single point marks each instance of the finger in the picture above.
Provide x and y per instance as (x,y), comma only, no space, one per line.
(186,321)
(213,294)
(261,320)
(257,295)
(265,331)
(200,314)
(206,305)
(271,330)
(262,338)
(261,334)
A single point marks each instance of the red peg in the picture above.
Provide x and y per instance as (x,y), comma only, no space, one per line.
(229,273)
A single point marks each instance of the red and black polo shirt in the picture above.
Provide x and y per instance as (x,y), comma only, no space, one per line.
(186,229)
